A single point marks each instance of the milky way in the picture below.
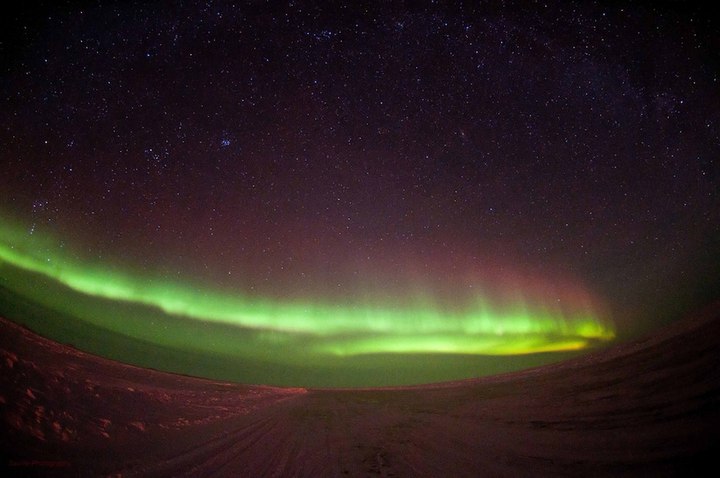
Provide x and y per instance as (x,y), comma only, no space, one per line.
(297,184)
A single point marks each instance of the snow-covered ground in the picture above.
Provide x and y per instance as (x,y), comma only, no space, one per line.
(650,407)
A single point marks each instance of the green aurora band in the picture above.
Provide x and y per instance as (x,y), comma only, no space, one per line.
(301,329)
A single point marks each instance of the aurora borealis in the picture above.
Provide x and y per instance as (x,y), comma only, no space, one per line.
(337,190)
(331,329)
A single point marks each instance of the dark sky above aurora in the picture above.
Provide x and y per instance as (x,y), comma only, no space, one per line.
(281,192)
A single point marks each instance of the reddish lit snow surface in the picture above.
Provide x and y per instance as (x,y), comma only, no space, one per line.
(648,408)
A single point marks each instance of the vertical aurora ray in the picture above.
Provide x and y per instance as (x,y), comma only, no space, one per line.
(243,326)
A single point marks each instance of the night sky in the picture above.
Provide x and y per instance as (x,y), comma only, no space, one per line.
(299,191)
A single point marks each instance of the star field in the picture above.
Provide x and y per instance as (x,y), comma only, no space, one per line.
(373,155)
